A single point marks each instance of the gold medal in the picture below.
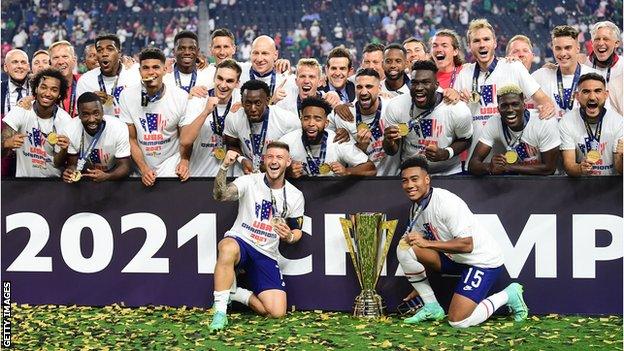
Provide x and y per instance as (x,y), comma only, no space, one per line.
(219,153)
(403,245)
(52,138)
(109,101)
(403,129)
(362,126)
(475,97)
(276,220)
(324,168)
(76,176)
(511,157)
(593,156)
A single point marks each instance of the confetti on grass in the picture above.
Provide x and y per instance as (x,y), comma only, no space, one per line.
(157,328)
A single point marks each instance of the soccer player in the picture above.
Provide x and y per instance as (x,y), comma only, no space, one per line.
(307,81)
(531,144)
(16,87)
(154,113)
(443,235)
(111,77)
(270,210)
(314,151)
(63,58)
(416,50)
(90,57)
(561,83)
(205,133)
(395,62)
(185,73)
(447,55)
(372,57)
(590,134)
(37,134)
(367,127)
(422,123)
(40,61)
(251,128)
(477,82)
(520,47)
(338,68)
(99,146)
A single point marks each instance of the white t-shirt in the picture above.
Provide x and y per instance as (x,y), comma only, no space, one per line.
(279,79)
(280,123)
(447,217)
(203,162)
(403,90)
(538,135)
(547,79)
(90,82)
(615,71)
(506,72)
(255,211)
(113,143)
(346,153)
(157,126)
(441,127)
(35,158)
(204,77)
(386,165)
(574,137)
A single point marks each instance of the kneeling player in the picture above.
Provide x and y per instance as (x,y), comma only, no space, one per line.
(445,236)
(270,209)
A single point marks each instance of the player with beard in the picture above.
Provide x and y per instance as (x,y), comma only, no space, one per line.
(531,144)
(338,68)
(270,210)
(111,77)
(397,82)
(422,123)
(63,58)
(521,48)
(443,235)
(185,74)
(314,151)
(38,134)
(591,133)
(205,133)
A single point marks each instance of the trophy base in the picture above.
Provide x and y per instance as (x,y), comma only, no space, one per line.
(369,305)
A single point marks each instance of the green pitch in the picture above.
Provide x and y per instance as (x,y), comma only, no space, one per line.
(166,328)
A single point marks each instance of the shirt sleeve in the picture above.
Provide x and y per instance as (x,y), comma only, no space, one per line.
(122,147)
(182,102)
(350,155)
(15,118)
(242,183)
(618,133)
(194,107)
(458,217)
(549,138)
(527,83)
(298,206)
(567,138)
(489,132)
(125,115)
(229,127)
(74,134)
(462,121)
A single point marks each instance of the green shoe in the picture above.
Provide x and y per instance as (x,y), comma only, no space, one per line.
(430,311)
(515,302)
(219,322)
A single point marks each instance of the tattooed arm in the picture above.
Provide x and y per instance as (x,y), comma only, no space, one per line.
(223,191)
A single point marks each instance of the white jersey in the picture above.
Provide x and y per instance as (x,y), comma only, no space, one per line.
(90,81)
(35,158)
(273,79)
(346,153)
(447,217)
(113,143)
(255,210)
(538,135)
(506,72)
(403,90)
(574,137)
(204,78)
(203,162)
(608,73)
(279,124)
(386,165)
(157,126)
(441,127)
(547,79)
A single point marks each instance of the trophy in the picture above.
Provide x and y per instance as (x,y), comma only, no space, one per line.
(368,237)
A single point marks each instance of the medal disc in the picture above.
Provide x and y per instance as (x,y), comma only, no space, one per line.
(403,129)
(511,157)
(276,220)
(475,97)
(593,156)
(76,176)
(324,168)
(362,126)
(52,138)
(109,101)
(219,153)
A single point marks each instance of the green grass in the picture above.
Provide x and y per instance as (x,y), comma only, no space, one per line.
(166,328)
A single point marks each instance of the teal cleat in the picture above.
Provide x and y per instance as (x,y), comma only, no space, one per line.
(430,311)
(515,302)
(219,322)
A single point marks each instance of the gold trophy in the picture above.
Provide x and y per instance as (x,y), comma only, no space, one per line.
(368,236)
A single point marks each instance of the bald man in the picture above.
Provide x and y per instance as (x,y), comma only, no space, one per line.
(16,67)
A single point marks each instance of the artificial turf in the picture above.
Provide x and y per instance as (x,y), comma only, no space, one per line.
(166,328)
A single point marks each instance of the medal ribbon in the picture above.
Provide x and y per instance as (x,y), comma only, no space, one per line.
(103,86)
(610,63)
(314,164)
(511,143)
(416,211)
(374,125)
(253,74)
(477,71)
(562,102)
(176,74)
(218,122)
(82,158)
(274,202)
(453,76)
(145,99)
(53,119)
(415,123)
(257,148)
(72,99)
(594,138)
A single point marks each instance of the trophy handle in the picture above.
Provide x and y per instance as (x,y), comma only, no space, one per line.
(346,230)
(390,227)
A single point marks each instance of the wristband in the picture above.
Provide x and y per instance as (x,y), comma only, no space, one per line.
(240,159)
(223,167)
(450,152)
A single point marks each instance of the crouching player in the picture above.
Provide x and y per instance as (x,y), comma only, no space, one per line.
(270,209)
(444,235)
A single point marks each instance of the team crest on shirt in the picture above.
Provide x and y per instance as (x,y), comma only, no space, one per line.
(36,137)
(153,122)
(99,158)
(429,232)
(264,210)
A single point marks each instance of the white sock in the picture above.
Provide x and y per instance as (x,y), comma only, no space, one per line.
(241,295)
(483,311)
(416,274)
(221,300)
